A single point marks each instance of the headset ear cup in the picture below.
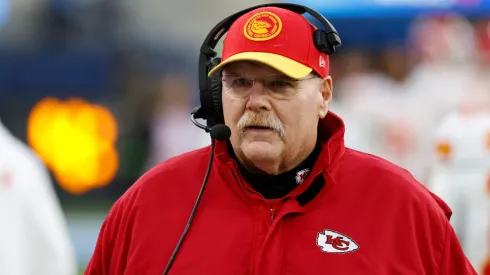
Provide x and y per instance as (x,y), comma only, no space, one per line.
(215,91)
(321,42)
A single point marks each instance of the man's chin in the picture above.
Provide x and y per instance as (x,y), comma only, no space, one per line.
(261,150)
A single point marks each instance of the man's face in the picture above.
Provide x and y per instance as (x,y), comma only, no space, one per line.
(273,118)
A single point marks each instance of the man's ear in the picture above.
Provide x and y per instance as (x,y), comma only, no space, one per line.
(326,90)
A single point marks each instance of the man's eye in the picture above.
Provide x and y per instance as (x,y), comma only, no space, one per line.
(241,82)
(279,83)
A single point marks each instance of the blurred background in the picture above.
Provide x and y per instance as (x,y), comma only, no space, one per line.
(131,68)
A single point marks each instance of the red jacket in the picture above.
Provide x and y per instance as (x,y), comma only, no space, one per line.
(354,214)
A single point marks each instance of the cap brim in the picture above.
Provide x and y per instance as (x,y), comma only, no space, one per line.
(283,64)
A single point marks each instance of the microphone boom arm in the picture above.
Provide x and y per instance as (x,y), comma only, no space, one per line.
(195,114)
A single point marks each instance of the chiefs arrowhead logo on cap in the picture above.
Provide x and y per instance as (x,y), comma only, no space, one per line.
(262,26)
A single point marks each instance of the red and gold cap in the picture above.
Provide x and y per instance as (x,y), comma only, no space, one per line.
(279,38)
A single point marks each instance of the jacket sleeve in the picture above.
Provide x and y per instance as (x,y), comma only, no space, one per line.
(100,260)
(112,246)
(50,248)
(453,261)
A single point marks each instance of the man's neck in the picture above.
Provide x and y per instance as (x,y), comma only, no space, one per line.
(278,185)
(275,167)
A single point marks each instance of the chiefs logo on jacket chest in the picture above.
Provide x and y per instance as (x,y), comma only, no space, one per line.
(333,242)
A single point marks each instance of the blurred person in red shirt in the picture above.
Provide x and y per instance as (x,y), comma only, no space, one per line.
(284,195)
(33,232)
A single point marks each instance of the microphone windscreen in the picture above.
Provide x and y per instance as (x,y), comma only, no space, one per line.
(220,132)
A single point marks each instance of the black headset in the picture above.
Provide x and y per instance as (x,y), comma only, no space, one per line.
(211,109)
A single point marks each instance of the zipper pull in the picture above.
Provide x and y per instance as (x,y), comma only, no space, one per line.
(272,214)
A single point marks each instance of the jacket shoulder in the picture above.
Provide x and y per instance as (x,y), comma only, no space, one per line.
(181,166)
(387,178)
(381,171)
(397,199)
(170,173)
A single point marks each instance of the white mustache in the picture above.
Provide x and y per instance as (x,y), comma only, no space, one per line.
(260,119)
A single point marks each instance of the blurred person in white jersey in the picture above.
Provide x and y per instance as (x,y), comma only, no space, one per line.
(357,86)
(461,173)
(375,102)
(483,45)
(34,238)
(443,51)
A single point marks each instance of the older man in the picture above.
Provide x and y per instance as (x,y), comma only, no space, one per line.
(284,195)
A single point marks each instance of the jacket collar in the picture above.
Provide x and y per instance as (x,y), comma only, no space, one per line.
(331,130)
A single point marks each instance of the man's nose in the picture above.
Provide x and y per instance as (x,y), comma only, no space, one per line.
(258,99)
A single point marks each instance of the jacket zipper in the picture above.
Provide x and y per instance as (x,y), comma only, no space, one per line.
(242,180)
(239,177)
(272,210)
(255,192)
